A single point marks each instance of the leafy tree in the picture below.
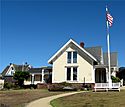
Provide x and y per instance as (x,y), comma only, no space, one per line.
(20,76)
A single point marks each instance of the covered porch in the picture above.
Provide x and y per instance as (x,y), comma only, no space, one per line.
(102,79)
(101,74)
(39,75)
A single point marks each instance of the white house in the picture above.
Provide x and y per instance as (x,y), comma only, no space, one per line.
(37,75)
(75,63)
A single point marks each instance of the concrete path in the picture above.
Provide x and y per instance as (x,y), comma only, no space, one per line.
(45,102)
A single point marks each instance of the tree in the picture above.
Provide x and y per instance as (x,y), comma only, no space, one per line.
(121,73)
(20,76)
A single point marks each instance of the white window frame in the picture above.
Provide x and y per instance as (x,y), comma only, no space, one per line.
(71,76)
(72,57)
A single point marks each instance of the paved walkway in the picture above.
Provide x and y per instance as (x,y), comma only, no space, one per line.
(45,102)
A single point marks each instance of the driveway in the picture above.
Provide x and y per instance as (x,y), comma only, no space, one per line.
(45,102)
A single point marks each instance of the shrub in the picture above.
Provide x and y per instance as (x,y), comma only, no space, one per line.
(8,85)
(55,87)
(62,87)
(115,79)
(65,84)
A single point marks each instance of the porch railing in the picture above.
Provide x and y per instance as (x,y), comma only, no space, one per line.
(115,86)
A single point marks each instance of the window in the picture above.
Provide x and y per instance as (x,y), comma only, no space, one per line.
(74,73)
(69,57)
(74,57)
(68,73)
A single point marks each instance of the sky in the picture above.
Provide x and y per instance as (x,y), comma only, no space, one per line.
(33,30)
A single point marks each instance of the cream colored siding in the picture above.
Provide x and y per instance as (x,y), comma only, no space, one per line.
(84,68)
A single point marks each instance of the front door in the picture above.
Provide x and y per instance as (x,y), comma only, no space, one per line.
(100,75)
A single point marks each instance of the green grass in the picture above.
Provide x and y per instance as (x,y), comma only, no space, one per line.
(92,99)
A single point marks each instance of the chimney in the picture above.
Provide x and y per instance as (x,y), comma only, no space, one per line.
(82,44)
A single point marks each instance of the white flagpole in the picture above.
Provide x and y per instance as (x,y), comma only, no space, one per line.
(108,44)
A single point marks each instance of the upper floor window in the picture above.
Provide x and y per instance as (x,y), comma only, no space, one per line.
(69,57)
(72,57)
(75,57)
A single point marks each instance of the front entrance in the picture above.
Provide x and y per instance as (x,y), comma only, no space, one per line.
(100,75)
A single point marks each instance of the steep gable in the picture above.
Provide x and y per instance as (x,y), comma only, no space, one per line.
(69,44)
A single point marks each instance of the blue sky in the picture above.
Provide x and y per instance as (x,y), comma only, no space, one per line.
(33,30)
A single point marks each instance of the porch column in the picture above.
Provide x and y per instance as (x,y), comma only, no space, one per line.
(93,75)
(107,75)
(71,73)
(42,75)
(32,82)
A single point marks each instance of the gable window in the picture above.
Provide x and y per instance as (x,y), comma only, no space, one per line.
(68,73)
(72,57)
(74,73)
(69,57)
(75,57)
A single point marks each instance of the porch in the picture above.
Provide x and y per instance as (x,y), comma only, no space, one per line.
(39,76)
(102,79)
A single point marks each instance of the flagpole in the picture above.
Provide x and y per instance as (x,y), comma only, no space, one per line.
(108,44)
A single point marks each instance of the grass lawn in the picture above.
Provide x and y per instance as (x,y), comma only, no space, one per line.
(18,98)
(92,99)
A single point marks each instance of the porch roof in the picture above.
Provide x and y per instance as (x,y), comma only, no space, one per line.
(101,66)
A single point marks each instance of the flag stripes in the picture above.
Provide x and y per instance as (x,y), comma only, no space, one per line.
(109,19)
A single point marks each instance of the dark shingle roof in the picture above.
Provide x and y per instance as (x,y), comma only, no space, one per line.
(35,70)
(95,51)
(39,70)
(113,58)
(21,67)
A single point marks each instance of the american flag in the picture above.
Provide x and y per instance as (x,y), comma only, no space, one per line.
(109,19)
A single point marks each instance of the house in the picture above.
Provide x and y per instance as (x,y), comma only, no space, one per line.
(37,75)
(74,63)
(8,72)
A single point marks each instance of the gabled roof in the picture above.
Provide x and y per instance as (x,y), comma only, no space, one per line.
(16,68)
(113,59)
(65,46)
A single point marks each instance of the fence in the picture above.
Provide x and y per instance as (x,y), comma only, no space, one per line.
(1,84)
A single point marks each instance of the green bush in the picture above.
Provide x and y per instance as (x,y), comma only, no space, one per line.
(9,85)
(115,79)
